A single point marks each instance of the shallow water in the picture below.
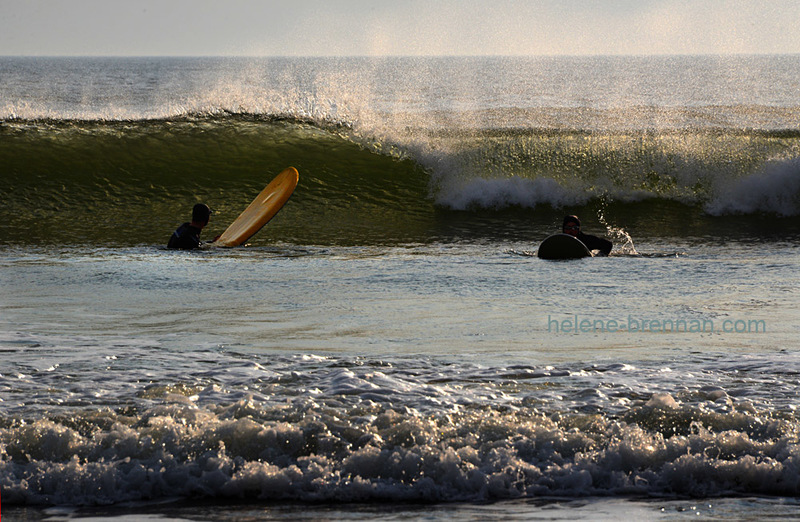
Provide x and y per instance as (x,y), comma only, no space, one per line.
(310,366)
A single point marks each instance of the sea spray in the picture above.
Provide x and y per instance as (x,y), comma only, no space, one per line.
(617,234)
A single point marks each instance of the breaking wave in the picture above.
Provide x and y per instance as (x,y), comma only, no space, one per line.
(354,434)
(131,182)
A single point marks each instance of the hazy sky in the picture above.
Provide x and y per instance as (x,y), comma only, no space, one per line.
(397,27)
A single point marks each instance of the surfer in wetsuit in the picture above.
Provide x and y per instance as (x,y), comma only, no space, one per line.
(187,236)
(572,226)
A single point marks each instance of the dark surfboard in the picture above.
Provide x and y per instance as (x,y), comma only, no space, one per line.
(562,246)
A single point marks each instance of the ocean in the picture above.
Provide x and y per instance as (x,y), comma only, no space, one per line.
(389,346)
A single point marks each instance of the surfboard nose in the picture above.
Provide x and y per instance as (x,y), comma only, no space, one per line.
(263,208)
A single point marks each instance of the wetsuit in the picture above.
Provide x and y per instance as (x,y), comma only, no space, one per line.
(595,243)
(186,237)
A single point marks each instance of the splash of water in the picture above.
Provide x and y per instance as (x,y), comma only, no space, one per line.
(617,234)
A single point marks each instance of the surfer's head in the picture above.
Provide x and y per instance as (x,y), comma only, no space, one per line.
(201,214)
(572,225)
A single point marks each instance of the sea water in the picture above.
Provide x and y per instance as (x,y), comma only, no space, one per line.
(389,346)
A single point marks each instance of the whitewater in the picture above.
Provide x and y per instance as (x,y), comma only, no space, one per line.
(389,345)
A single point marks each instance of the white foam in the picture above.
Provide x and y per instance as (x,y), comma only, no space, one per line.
(775,189)
(309,452)
(504,192)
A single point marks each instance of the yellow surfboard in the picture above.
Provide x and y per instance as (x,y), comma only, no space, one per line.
(261,210)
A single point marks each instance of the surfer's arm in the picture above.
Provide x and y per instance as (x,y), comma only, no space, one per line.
(604,246)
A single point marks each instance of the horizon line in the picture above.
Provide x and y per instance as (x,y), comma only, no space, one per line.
(565,55)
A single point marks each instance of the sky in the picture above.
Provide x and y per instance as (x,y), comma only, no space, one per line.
(397,27)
